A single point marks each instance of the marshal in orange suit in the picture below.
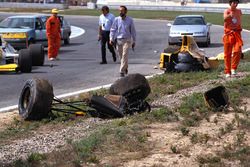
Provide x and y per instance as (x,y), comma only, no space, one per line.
(53,30)
(232,38)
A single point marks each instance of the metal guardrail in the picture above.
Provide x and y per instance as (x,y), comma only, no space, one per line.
(176,8)
(172,5)
(216,8)
(33,5)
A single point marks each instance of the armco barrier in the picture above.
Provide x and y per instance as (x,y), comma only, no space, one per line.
(33,5)
(171,5)
(177,8)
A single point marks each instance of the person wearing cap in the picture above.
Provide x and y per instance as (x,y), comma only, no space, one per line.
(53,31)
(105,22)
(123,31)
(232,38)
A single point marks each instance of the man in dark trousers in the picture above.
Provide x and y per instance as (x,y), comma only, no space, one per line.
(105,22)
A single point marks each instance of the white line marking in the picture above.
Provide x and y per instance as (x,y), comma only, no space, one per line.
(10,108)
(82,91)
(76,32)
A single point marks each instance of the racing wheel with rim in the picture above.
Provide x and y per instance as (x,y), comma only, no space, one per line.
(36,99)
(67,40)
(37,54)
(24,61)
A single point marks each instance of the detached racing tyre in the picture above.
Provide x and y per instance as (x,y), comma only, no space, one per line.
(24,61)
(36,99)
(134,88)
(37,54)
(146,107)
(130,83)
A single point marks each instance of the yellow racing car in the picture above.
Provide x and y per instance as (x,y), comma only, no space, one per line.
(184,58)
(12,60)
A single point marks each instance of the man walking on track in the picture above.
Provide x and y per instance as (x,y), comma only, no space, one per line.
(123,30)
(105,22)
(53,30)
(232,38)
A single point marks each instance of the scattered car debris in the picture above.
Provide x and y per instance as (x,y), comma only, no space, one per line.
(127,96)
(217,97)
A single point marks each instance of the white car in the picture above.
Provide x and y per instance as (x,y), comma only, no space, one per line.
(21,31)
(193,25)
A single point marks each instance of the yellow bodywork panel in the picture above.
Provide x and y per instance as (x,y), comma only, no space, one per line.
(80,113)
(186,42)
(20,35)
(165,57)
(8,67)
(220,56)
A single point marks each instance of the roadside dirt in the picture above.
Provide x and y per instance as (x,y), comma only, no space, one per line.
(7,118)
(166,138)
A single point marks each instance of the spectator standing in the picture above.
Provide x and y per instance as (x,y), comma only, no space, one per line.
(106,20)
(232,38)
(123,30)
(53,31)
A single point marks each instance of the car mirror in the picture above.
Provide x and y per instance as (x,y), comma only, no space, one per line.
(209,24)
(169,24)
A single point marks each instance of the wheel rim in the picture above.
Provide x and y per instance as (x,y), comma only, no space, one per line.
(26,98)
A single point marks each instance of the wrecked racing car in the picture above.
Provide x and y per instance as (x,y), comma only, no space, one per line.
(126,96)
(184,58)
(22,60)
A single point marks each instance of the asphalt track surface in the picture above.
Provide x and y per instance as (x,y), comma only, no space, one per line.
(79,68)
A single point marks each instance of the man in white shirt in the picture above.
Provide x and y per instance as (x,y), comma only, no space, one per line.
(105,22)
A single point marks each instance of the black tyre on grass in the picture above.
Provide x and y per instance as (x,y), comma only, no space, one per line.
(37,54)
(135,88)
(145,107)
(129,84)
(36,99)
(24,61)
